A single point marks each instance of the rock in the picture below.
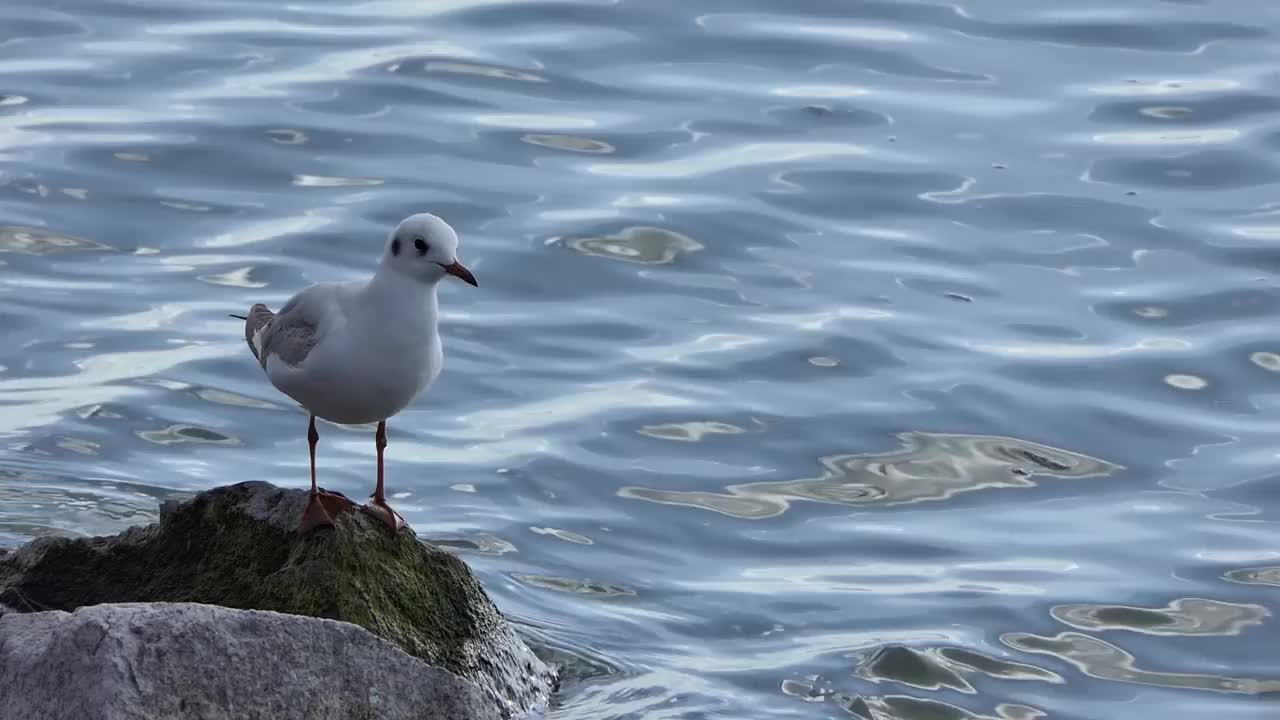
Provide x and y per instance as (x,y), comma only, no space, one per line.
(160,660)
(237,546)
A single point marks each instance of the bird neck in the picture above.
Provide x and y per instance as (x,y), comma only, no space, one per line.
(395,297)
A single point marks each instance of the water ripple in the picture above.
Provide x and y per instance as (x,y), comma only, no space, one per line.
(928,468)
(1100,659)
(1184,616)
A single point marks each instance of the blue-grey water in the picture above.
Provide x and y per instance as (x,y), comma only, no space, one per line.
(876,359)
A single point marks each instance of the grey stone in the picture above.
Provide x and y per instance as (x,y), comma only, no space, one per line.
(237,546)
(158,661)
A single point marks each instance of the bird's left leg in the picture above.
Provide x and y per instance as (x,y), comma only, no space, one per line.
(378,506)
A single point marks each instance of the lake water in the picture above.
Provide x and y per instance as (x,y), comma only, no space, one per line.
(884,360)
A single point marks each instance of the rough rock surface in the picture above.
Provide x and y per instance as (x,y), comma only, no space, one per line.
(203,662)
(237,546)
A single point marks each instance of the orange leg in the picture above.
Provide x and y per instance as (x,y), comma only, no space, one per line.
(378,506)
(321,506)
(315,516)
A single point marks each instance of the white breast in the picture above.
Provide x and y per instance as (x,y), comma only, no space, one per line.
(373,360)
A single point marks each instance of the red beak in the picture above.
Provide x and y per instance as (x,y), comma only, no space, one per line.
(457,270)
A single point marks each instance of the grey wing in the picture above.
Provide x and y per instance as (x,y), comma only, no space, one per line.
(289,334)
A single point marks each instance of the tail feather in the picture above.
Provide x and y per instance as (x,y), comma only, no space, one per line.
(259,316)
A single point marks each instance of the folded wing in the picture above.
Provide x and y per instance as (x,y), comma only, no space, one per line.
(289,335)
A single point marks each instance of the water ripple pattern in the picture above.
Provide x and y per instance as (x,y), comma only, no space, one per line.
(876,359)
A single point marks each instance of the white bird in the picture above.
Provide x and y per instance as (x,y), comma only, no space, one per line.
(361,351)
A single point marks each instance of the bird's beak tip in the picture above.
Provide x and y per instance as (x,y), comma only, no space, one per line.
(458,271)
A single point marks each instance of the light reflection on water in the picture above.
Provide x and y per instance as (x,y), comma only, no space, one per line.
(930,467)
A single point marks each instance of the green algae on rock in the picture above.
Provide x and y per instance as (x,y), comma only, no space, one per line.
(237,546)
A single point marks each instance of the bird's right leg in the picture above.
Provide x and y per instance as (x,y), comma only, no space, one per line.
(321,506)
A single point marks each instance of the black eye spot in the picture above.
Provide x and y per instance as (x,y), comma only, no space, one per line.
(395,246)
(421,245)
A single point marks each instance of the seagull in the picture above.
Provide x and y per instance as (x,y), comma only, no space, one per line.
(359,352)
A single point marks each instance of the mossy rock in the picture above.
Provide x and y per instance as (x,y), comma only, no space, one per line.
(237,546)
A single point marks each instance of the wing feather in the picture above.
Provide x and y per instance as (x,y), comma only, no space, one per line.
(289,335)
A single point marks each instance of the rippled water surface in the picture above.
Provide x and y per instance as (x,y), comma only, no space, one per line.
(876,359)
